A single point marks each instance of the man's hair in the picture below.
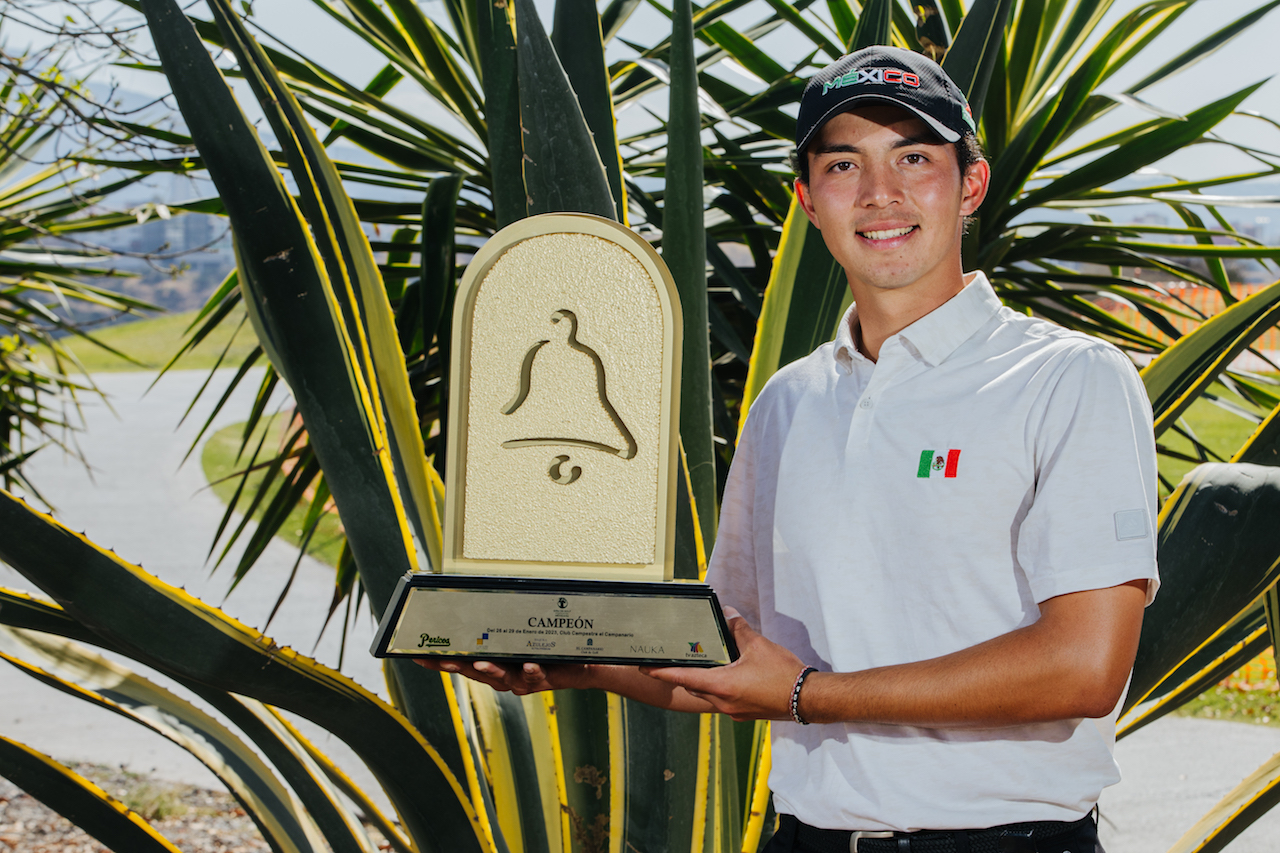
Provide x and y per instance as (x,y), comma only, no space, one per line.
(968,152)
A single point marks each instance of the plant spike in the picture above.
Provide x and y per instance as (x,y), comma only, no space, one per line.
(579,43)
(502,108)
(684,250)
(875,25)
(562,168)
(978,46)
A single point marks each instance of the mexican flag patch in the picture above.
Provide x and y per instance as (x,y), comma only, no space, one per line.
(935,462)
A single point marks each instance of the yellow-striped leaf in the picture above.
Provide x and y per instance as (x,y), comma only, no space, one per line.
(171,631)
(79,800)
(1219,552)
(91,677)
(1235,812)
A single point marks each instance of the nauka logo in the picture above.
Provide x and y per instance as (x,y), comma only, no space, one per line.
(934,462)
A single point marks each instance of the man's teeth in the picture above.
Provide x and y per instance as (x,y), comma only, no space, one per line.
(886,235)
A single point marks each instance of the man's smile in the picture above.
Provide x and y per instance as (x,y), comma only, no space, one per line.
(883,236)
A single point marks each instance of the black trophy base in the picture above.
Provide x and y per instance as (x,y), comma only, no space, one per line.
(550,620)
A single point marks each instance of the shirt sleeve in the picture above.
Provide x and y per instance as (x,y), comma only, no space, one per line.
(1091,524)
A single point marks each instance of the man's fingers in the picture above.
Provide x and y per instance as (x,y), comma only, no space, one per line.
(523,678)
(741,630)
(689,679)
(486,672)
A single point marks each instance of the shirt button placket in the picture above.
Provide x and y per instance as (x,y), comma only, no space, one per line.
(860,429)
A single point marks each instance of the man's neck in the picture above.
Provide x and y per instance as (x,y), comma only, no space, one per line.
(883,313)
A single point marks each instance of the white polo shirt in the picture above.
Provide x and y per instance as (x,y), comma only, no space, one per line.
(889,512)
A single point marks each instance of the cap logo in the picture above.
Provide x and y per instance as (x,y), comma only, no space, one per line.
(873,75)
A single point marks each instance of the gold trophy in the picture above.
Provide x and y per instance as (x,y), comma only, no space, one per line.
(561,471)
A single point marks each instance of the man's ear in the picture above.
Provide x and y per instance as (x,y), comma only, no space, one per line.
(806,202)
(973,187)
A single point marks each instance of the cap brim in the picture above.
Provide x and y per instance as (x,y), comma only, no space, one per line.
(844,106)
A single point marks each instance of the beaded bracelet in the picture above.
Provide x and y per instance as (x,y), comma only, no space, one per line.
(795,694)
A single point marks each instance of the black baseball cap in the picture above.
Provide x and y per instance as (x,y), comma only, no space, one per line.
(890,75)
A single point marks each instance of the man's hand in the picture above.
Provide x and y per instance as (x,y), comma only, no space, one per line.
(529,677)
(520,679)
(757,686)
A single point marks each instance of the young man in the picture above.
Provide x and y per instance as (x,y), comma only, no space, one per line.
(936,540)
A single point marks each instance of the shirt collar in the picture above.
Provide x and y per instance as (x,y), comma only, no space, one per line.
(937,334)
(846,351)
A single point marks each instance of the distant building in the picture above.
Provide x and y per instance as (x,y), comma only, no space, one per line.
(1189,298)
(176,263)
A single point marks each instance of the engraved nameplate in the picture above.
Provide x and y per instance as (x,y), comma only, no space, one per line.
(488,618)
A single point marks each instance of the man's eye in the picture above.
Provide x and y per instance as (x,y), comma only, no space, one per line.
(916,157)
(841,166)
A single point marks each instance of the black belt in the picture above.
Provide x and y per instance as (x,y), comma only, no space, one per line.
(1010,838)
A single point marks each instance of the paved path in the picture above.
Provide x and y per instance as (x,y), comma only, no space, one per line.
(150,510)
(1177,769)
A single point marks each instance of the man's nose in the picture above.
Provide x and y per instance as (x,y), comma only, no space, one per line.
(879,186)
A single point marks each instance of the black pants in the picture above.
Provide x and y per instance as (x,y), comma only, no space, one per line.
(1082,840)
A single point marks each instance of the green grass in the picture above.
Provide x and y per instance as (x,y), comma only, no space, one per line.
(153,799)
(1261,707)
(219,462)
(154,341)
(1220,430)
(1251,694)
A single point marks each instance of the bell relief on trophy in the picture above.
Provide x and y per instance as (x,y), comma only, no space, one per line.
(562,461)
(571,375)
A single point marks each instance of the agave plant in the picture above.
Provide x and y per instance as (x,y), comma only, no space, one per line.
(512,788)
(496,773)
(1036,72)
(42,277)
(364,350)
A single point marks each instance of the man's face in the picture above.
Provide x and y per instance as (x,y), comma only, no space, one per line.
(888,197)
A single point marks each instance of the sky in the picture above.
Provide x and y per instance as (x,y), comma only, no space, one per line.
(1249,58)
